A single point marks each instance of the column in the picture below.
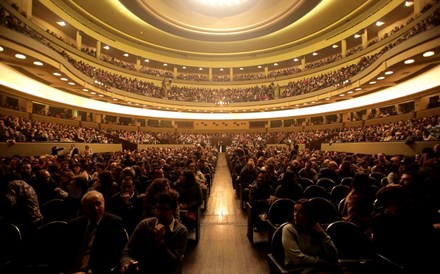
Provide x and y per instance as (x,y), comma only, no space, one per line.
(266,71)
(97,118)
(231,74)
(75,114)
(78,40)
(303,63)
(343,48)
(175,72)
(421,103)
(364,39)
(138,64)
(28,8)
(98,50)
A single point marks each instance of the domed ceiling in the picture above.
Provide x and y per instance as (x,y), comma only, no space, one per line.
(203,28)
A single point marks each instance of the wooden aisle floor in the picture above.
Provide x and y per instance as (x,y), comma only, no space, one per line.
(223,246)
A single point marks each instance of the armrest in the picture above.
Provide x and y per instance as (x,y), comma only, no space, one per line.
(279,268)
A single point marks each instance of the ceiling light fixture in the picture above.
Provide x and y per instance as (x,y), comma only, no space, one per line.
(315,53)
(335,46)
(57,74)
(61,23)
(428,53)
(106,47)
(409,3)
(372,82)
(126,54)
(38,63)
(64,79)
(389,72)
(357,36)
(379,23)
(409,61)
(20,56)
(380,78)
(1,49)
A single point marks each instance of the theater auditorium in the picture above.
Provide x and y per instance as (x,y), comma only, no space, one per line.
(222,136)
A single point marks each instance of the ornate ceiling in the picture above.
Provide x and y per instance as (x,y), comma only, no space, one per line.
(192,30)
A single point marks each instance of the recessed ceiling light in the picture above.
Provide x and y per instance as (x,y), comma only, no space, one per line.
(295,59)
(71,83)
(409,61)
(64,79)
(275,64)
(221,69)
(115,99)
(92,92)
(241,68)
(61,23)
(372,82)
(328,98)
(379,23)
(350,92)
(20,56)
(389,72)
(358,89)
(342,94)
(101,95)
(409,3)
(85,89)
(165,65)
(106,47)
(147,60)
(335,46)
(38,63)
(200,68)
(126,54)
(380,78)
(428,54)
(57,74)
(315,53)
(1,49)
(357,36)
(259,67)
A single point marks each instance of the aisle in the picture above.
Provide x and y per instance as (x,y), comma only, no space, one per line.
(223,245)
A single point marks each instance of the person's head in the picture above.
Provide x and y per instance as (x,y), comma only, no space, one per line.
(93,205)
(166,206)
(127,185)
(158,185)
(305,213)
(262,177)
(188,177)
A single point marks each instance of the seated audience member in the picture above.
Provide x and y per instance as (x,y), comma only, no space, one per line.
(126,204)
(359,203)
(19,205)
(306,244)
(158,243)
(96,238)
(259,195)
(289,187)
(402,234)
(149,200)
(106,185)
(190,196)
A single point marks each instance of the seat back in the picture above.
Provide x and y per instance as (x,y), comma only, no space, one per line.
(276,245)
(328,213)
(281,211)
(316,191)
(305,182)
(10,244)
(346,181)
(55,210)
(351,241)
(326,183)
(47,249)
(338,192)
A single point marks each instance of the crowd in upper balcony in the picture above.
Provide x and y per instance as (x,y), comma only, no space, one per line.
(251,94)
